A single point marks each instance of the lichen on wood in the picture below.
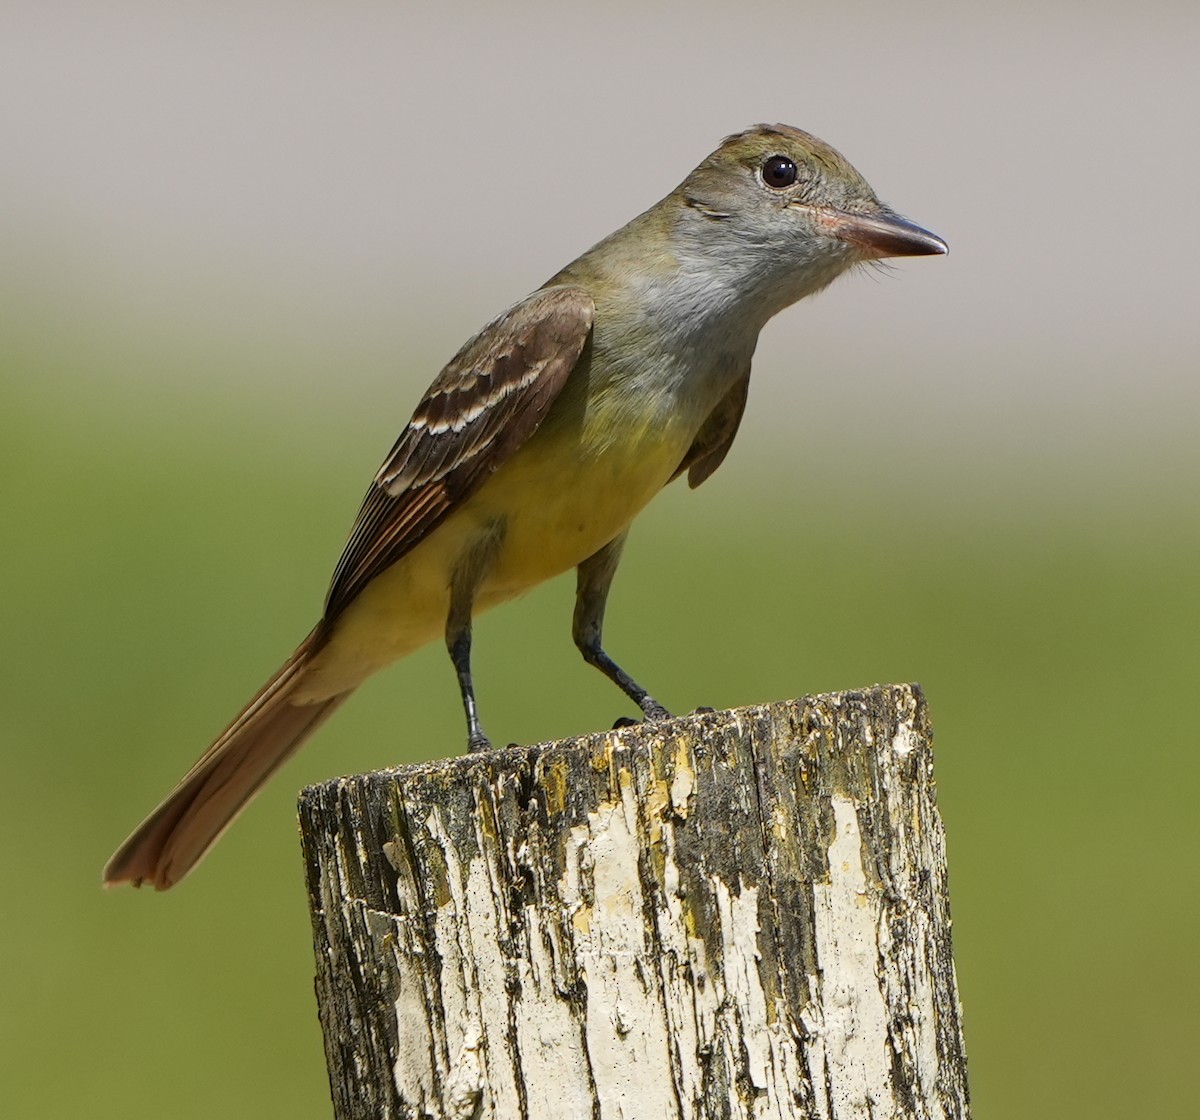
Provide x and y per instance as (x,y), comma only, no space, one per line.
(731,914)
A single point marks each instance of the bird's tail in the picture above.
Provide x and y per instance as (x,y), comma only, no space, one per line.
(178,834)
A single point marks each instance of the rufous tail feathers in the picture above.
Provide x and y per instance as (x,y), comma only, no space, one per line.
(178,834)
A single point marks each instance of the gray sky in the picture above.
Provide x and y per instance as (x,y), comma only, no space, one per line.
(366,183)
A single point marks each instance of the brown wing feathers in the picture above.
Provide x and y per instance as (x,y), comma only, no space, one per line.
(713,441)
(487,402)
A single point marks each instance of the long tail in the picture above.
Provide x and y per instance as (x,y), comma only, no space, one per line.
(178,834)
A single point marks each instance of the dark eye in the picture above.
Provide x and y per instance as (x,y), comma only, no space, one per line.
(779,172)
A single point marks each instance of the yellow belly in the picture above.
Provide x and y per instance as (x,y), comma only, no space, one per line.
(558,499)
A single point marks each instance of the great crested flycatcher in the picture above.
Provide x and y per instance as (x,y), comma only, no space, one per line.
(538,444)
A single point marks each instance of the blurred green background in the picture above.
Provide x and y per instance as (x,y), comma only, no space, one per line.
(238,241)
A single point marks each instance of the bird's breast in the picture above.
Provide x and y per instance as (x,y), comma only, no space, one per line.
(573,488)
(613,438)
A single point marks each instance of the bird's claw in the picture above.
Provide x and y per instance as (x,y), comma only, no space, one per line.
(654,711)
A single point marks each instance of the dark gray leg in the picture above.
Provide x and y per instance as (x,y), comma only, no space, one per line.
(458,642)
(458,633)
(591,593)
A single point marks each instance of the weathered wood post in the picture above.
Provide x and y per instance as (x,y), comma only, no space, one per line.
(735,914)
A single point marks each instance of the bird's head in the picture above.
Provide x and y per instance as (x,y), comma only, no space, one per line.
(782,210)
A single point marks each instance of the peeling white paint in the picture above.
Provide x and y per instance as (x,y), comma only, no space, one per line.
(683,784)
(918,1034)
(465,1084)
(924,1027)
(630,1065)
(739,959)
(413,1070)
(768,1054)
(472,969)
(905,741)
(851,1014)
(554,1067)
(690,999)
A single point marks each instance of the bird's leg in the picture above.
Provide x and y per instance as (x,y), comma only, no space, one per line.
(595,576)
(463,586)
(458,642)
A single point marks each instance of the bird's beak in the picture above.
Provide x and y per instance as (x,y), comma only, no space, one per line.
(884,234)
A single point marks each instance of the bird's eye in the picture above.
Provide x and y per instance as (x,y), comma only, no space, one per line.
(779,172)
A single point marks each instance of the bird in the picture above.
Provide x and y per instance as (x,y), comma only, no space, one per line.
(537,445)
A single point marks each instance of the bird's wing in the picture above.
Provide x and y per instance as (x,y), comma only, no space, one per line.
(484,405)
(715,437)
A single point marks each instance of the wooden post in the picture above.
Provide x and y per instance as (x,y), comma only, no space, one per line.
(732,914)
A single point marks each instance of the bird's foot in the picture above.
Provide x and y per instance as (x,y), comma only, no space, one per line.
(478,741)
(702,711)
(652,712)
